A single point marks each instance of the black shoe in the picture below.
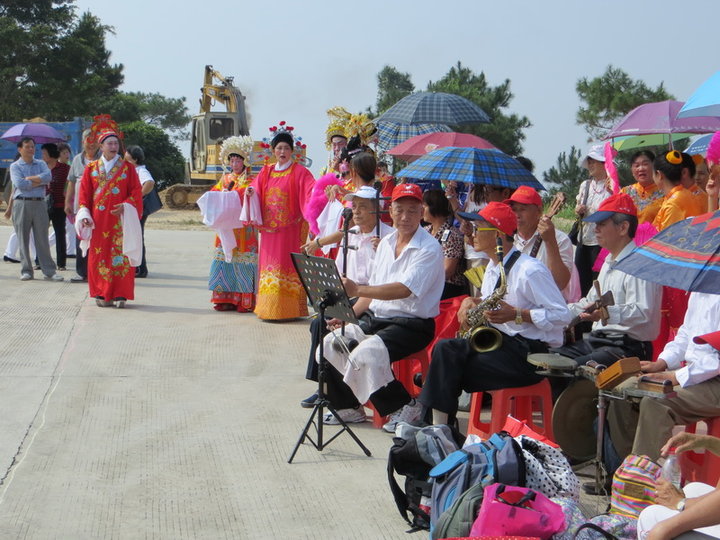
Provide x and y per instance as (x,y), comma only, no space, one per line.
(9,259)
(309,402)
(591,489)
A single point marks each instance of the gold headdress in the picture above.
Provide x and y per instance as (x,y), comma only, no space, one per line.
(241,145)
(348,125)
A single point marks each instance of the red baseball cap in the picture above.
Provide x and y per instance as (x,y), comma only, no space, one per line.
(712,339)
(497,214)
(407,190)
(615,204)
(525,195)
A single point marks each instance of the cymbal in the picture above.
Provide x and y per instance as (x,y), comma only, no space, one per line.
(572,420)
(552,361)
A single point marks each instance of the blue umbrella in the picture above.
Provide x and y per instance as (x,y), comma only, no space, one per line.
(686,256)
(434,108)
(473,165)
(705,101)
(390,134)
(699,145)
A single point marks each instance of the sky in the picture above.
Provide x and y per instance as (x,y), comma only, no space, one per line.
(295,60)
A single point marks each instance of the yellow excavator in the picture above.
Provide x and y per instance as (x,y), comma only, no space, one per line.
(209,129)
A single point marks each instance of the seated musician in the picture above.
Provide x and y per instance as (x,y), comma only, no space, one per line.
(398,305)
(643,429)
(556,250)
(529,317)
(363,240)
(634,319)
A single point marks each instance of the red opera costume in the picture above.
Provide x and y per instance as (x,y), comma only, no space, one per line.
(110,275)
(283,195)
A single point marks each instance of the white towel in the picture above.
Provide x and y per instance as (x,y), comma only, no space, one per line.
(368,367)
(221,212)
(329,221)
(132,234)
(251,214)
(84,232)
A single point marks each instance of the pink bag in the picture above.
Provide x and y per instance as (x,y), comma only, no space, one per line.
(517,511)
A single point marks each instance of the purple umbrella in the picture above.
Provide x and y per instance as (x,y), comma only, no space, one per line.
(661,118)
(40,133)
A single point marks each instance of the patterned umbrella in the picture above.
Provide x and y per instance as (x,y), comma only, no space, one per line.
(391,134)
(686,256)
(699,145)
(434,108)
(41,133)
(476,165)
(661,117)
(422,144)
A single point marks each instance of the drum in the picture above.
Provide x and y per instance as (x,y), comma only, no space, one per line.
(553,365)
(573,416)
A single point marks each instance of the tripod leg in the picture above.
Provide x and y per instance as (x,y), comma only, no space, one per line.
(345,427)
(304,434)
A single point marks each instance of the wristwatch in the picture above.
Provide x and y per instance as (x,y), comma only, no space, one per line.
(518,316)
(680,505)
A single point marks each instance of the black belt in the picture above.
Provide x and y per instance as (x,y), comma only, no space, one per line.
(31,198)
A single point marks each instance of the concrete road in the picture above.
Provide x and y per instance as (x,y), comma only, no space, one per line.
(168,419)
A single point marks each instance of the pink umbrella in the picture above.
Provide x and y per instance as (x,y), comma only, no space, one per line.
(40,133)
(422,144)
(661,118)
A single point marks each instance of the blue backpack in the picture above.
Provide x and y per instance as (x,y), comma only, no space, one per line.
(499,459)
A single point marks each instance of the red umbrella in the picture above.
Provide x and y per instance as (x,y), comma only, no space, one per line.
(422,144)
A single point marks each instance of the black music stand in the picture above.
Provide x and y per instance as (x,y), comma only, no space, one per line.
(322,284)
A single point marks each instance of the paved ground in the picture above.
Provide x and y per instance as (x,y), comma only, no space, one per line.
(167,419)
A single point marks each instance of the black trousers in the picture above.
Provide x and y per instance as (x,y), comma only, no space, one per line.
(402,336)
(142,269)
(584,260)
(80,260)
(57,218)
(605,349)
(455,366)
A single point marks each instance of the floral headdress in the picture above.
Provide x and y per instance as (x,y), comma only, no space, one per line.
(282,127)
(101,124)
(240,145)
(346,124)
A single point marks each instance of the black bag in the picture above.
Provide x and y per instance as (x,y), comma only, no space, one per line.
(575,231)
(151,203)
(50,201)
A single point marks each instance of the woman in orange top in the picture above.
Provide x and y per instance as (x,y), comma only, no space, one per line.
(644,192)
(679,203)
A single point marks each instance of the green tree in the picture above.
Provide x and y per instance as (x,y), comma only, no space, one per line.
(606,99)
(169,114)
(566,175)
(392,87)
(505,130)
(162,156)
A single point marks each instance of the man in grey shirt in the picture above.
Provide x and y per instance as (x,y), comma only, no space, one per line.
(30,178)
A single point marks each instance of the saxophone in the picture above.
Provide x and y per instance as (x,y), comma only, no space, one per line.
(482,337)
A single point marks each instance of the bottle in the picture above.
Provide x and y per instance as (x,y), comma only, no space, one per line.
(671,469)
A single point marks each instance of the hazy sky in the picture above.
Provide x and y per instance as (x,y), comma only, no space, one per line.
(294,60)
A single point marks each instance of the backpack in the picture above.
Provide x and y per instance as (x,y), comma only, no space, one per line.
(412,456)
(499,459)
(457,520)
(633,486)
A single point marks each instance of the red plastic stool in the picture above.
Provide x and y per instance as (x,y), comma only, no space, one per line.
(519,402)
(702,466)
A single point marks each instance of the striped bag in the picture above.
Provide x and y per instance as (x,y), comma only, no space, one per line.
(633,486)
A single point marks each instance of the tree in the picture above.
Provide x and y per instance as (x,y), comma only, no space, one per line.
(170,114)
(392,87)
(504,130)
(162,156)
(566,175)
(606,99)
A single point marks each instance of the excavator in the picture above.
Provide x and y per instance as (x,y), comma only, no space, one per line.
(209,129)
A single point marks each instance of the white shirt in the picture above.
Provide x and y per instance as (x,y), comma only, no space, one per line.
(637,302)
(360,260)
(470,253)
(596,193)
(420,267)
(143,174)
(530,285)
(702,317)
(109,164)
(567,254)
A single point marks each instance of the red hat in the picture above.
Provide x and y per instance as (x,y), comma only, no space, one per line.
(500,216)
(407,190)
(615,204)
(525,195)
(107,133)
(712,339)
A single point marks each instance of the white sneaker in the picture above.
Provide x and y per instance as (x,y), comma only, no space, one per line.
(54,277)
(25,277)
(409,414)
(349,416)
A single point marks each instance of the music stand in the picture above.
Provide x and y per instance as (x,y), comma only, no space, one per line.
(322,284)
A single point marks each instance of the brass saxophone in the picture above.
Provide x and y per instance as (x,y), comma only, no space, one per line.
(482,337)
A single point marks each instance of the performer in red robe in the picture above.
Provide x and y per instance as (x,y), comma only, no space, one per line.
(106,184)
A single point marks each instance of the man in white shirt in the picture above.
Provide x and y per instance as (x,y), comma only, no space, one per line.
(398,305)
(634,320)
(531,316)
(362,242)
(693,366)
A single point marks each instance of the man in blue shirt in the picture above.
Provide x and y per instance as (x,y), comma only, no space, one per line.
(30,178)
